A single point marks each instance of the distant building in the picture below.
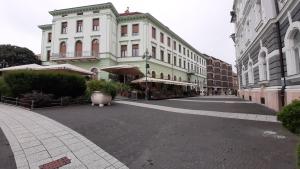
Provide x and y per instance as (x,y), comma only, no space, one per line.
(97,36)
(267,41)
(235,83)
(219,77)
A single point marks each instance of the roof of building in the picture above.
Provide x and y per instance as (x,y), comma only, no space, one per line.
(108,5)
(45,27)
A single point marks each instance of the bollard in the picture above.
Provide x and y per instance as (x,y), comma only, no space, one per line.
(32,104)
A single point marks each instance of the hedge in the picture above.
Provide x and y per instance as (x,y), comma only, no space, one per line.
(4,89)
(290,116)
(57,83)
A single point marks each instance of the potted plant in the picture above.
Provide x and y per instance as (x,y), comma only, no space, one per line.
(102,92)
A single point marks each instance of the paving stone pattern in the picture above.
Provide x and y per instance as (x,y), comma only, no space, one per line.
(36,140)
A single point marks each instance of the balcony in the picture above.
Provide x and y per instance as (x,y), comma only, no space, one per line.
(74,56)
(191,72)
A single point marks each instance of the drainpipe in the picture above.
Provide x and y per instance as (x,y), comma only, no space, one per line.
(283,81)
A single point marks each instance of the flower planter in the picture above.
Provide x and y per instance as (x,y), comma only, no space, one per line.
(100,99)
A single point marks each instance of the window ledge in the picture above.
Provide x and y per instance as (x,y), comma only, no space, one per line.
(263,83)
(294,78)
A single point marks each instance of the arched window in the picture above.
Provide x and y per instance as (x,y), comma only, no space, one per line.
(95,48)
(243,76)
(62,49)
(263,66)
(169,77)
(95,75)
(161,75)
(78,48)
(175,78)
(153,74)
(250,73)
(292,46)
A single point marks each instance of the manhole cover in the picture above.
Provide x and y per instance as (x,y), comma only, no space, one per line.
(56,164)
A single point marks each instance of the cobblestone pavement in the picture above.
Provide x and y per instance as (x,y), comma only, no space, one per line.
(36,140)
(147,138)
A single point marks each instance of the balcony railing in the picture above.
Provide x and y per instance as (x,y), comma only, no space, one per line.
(73,56)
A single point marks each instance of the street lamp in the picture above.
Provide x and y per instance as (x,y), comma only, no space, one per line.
(146,56)
(3,64)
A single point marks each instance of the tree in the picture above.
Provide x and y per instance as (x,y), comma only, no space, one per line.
(15,55)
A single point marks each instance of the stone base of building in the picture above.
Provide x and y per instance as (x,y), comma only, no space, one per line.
(292,93)
(270,97)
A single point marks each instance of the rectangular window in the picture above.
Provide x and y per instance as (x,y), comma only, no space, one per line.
(123,50)
(188,53)
(179,62)
(48,55)
(79,26)
(184,64)
(179,48)
(64,27)
(96,24)
(135,50)
(154,52)
(161,37)
(174,61)
(124,30)
(162,57)
(153,33)
(184,50)
(135,29)
(49,37)
(169,58)
(169,41)
(174,45)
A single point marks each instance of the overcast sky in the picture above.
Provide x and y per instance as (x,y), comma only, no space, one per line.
(205,24)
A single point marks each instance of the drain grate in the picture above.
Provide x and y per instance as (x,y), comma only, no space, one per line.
(56,164)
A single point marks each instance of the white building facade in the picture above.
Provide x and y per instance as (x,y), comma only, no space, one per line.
(267,50)
(97,36)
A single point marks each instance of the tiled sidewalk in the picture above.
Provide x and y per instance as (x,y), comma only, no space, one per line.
(241,116)
(36,140)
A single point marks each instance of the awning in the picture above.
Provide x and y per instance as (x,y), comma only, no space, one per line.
(68,67)
(163,81)
(62,67)
(123,70)
(22,67)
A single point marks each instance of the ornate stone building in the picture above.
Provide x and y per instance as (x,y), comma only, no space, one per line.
(267,41)
(97,36)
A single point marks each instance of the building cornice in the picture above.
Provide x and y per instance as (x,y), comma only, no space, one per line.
(84,9)
(45,27)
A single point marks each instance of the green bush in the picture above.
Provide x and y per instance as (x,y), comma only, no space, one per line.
(107,87)
(4,89)
(57,83)
(298,154)
(290,116)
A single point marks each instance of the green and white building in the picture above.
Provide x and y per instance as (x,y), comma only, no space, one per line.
(97,36)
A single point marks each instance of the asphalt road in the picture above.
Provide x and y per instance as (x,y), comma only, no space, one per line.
(7,160)
(146,138)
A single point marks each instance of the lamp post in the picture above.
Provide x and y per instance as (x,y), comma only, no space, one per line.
(3,64)
(146,56)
